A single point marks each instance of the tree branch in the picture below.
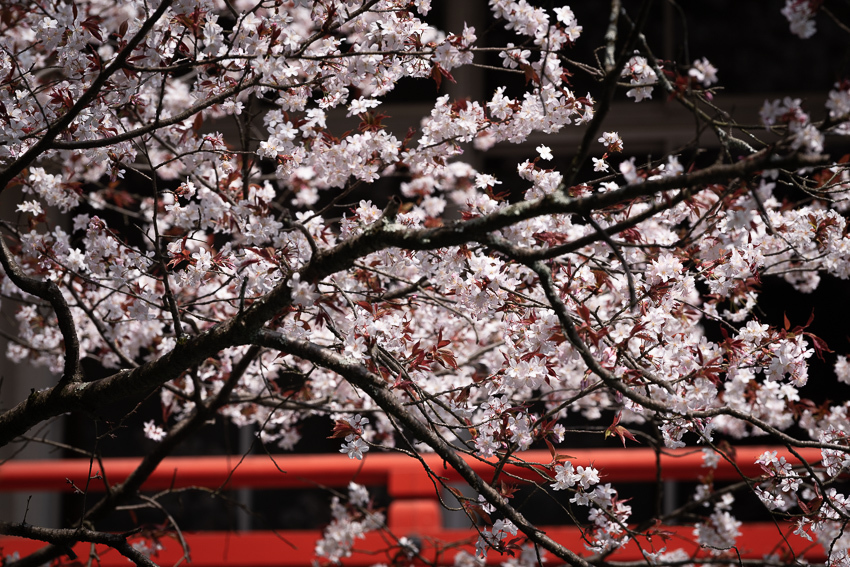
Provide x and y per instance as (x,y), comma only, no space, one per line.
(121,493)
(375,387)
(64,538)
(50,292)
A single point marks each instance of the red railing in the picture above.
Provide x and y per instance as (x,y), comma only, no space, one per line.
(414,507)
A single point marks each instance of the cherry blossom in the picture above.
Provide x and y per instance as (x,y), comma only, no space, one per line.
(642,76)
(800,14)
(153,431)
(611,141)
(211,204)
(545,152)
(703,72)
(599,164)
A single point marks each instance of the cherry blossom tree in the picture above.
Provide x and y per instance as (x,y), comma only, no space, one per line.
(446,310)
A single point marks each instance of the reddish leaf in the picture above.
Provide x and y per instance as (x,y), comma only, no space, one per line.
(342,429)
(616,429)
(437,76)
(819,345)
(198,122)
(508,490)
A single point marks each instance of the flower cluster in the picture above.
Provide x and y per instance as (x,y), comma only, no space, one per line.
(719,532)
(354,445)
(703,72)
(838,105)
(804,135)
(782,481)
(350,521)
(494,537)
(800,15)
(641,76)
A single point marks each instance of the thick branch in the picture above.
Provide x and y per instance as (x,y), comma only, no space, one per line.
(462,232)
(121,493)
(611,35)
(65,538)
(50,292)
(526,255)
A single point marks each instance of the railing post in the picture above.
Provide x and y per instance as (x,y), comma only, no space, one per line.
(415,507)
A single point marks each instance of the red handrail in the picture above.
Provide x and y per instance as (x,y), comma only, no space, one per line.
(404,475)
(414,508)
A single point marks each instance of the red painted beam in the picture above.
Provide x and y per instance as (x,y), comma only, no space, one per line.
(404,476)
